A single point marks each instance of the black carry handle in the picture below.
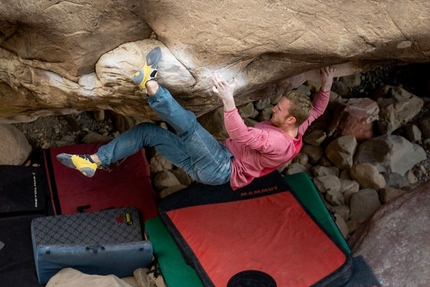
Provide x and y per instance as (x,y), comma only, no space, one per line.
(95,248)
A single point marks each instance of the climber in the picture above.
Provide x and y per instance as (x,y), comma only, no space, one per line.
(248,153)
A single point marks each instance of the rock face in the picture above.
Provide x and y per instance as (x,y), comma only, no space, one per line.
(14,147)
(355,117)
(390,153)
(395,240)
(59,57)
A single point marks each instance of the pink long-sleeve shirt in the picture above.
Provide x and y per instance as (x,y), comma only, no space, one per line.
(263,148)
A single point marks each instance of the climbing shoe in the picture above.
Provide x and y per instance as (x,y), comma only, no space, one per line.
(83,163)
(149,70)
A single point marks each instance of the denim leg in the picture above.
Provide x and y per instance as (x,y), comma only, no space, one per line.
(146,135)
(210,159)
(195,150)
(171,111)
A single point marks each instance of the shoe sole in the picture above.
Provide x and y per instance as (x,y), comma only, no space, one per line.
(67,161)
(153,57)
(142,75)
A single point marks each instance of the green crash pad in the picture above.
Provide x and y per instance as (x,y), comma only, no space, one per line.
(177,273)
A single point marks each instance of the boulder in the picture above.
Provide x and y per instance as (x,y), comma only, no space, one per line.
(70,56)
(397,107)
(363,204)
(14,146)
(165,179)
(367,176)
(395,240)
(341,151)
(390,154)
(355,118)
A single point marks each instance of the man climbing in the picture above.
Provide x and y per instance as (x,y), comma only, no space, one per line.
(249,152)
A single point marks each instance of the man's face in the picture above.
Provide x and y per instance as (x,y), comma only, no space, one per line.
(280,113)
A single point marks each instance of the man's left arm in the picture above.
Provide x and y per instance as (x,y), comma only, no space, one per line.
(322,98)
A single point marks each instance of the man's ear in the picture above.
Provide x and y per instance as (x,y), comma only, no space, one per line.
(291,120)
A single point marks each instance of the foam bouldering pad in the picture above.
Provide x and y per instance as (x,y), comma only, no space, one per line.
(258,233)
(128,183)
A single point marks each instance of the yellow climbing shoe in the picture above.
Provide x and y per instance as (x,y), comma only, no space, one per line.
(149,70)
(83,163)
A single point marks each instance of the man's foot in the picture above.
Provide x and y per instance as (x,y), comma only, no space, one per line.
(149,70)
(83,163)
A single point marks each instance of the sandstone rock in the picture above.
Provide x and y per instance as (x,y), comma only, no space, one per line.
(314,153)
(304,89)
(324,161)
(396,180)
(315,137)
(159,163)
(301,158)
(352,226)
(283,167)
(424,124)
(48,58)
(14,146)
(348,194)
(327,182)
(95,137)
(69,277)
(342,211)
(390,154)
(345,174)
(355,118)
(182,176)
(319,170)
(410,177)
(213,122)
(352,80)
(413,133)
(343,227)
(265,114)
(389,193)
(250,122)
(341,151)
(340,88)
(165,179)
(262,104)
(296,168)
(348,185)
(334,197)
(395,240)
(248,111)
(363,204)
(367,176)
(397,107)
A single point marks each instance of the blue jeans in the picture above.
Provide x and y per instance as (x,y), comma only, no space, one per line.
(194,149)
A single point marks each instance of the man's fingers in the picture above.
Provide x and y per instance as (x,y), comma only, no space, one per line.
(327,71)
(217,80)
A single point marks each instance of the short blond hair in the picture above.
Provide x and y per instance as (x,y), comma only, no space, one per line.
(301,105)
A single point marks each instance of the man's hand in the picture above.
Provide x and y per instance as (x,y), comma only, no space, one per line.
(326,76)
(224,91)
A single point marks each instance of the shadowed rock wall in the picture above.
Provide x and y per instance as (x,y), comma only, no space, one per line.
(58,57)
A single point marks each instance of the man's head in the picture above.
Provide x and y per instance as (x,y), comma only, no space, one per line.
(292,109)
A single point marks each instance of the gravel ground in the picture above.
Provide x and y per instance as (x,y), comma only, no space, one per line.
(55,131)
